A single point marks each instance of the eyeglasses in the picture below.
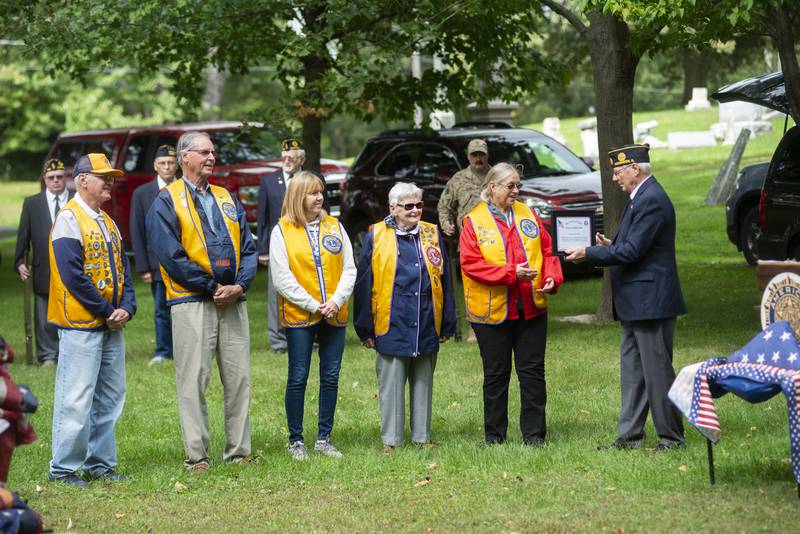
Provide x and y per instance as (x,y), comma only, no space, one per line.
(204,153)
(55,177)
(411,205)
(619,170)
(511,186)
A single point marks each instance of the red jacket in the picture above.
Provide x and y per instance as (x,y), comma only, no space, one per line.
(474,266)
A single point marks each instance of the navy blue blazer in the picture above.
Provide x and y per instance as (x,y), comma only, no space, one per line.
(270,202)
(644,272)
(146,260)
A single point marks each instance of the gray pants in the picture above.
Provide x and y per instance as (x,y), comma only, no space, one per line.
(46,334)
(199,329)
(646,375)
(277,335)
(393,373)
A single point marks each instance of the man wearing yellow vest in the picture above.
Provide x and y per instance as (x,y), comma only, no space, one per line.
(208,260)
(403,308)
(91,299)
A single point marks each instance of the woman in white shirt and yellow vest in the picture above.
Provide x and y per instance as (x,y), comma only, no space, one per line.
(311,264)
(508,268)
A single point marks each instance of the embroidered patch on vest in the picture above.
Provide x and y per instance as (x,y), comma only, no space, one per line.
(529,228)
(332,244)
(434,256)
(229,210)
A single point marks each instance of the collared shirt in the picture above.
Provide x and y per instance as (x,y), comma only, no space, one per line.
(391,222)
(63,198)
(508,218)
(161,183)
(207,201)
(636,189)
(287,178)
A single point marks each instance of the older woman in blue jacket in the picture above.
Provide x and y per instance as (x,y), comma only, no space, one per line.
(403,308)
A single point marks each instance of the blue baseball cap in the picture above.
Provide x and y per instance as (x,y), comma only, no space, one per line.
(95,164)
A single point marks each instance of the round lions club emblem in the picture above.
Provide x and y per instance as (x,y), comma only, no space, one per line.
(529,228)
(434,256)
(229,210)
(781,301)
(332,244)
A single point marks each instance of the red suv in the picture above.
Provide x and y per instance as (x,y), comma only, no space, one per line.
(553,178)
(244,154)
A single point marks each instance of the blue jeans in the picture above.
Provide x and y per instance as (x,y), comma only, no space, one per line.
(163,320)
(299,343)
(88,400)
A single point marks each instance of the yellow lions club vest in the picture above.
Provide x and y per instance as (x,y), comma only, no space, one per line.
(488,304)
(384,265)
(193,238)
(319,278)
(63,309)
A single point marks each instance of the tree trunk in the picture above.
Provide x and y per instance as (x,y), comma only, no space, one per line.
(781,27)
(695,72)
(613,69)
(311,106)
(212,96)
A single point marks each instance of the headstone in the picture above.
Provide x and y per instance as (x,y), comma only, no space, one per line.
(726,178)
(552,126)
(740,111)
(699,99)
(442,119)
(679,140)
(588,129)
(495,110)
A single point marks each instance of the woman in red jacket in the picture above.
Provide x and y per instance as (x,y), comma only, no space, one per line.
(508,268)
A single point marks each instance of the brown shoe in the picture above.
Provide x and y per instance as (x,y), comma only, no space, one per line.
(198,468)
(388,449)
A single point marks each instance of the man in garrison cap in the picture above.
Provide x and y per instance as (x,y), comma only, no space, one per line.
(166,167)
(646,296)
(91,300)
(38,215)
(270,201)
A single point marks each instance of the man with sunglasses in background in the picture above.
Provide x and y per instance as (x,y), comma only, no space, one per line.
(38,215)
(647,299)
(460,196)
(270,201)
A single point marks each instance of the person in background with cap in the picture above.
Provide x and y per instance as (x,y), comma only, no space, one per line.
(462,193)
(208,261)
(166,166)
(38,215)
(270,201)
(647,298)
(91,300)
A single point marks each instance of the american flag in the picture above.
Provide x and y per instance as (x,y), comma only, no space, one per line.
(766,366)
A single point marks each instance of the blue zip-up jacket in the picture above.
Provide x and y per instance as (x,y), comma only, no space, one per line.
(164,233)
(411,327)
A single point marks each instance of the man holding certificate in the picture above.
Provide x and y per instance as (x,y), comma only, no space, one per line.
(647,299)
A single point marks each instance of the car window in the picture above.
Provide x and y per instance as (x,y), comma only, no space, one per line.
(369,150)
(68,151)
(401,162)
(436,161)
(236,146)
(540,156)
(104,146)
(786,161)
(136,155)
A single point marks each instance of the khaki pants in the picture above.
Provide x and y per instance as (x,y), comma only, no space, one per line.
(199,329)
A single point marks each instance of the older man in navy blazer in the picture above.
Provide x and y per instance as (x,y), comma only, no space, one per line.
(647,298)
(270,202)
(166,167)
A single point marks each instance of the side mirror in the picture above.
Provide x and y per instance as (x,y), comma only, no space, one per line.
(589,160)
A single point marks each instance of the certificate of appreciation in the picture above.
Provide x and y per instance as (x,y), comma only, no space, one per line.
(572,229)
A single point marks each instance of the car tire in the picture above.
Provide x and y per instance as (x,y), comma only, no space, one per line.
(748,228)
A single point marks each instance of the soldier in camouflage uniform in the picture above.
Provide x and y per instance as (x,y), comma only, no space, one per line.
(462,193)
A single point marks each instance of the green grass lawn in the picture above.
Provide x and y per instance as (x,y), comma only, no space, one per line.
(454,485)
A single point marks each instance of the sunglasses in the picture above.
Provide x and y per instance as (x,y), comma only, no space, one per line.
(411,205)
(204,153)
(511,186)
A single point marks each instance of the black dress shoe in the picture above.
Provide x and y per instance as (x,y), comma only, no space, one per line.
(622,445)
(534,442)
(664,446)
(70,480)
